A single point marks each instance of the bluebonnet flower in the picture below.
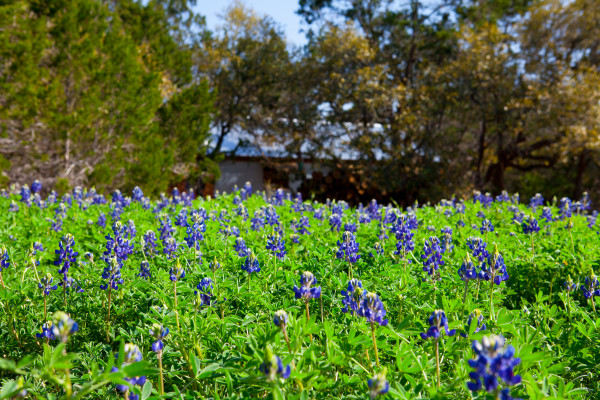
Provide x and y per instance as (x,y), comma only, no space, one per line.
(251,264)
(195,231)
(301,226)
(536,201)
(305,291)
(137,194)
(230,231)
(318,214)
(166,228)
(112,273)
(72,285)
(378,248)
(478,317)
(364,218)
(591,219)
(276,244)
(241,248)
(373,210)
(278,197)
(372,309)
(204,294)
(547,214)
(25,195)
(159,332)
(378,385)
(46,332)
(335,221)
(530,225)
(295,238)
(37,246)
(352,296)
(437,321)
(63,326)
(247,189)
(280,318)
(348,248)
(258,221)
(237,199)
(120,246)
(494,268)
(503,197)
(46,284)
(486,200)
(350,227)
(148,243)
(101,220)
(432,255)
(4,258)
(585,201)
(67,256)
(181,219)
(480,214)
(214,265)
(404,235)
(446,240)
(177,272)
(170,247)
(57,224)
(491,365)
(467,270)
(132,355)
(130,228)
(36,186)
(116,211)
(14,207)
(569,285)
(478,247)
(145,270)
(273,368)
(486,226)
(591,287)
(271,216)
(565,210)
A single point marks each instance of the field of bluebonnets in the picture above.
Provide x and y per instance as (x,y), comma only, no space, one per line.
(249,295)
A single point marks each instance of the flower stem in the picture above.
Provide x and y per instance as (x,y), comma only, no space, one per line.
(532,251)
(572,245)
(307,312)
(108,314)
(466,290)
(437,361)
(491,298)
(160,367)
(287,339)
(176,312)
(375,343)
(321,301)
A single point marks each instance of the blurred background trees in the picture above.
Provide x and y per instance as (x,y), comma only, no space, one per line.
(415,100)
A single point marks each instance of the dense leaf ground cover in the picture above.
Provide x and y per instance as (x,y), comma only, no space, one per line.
(362,292)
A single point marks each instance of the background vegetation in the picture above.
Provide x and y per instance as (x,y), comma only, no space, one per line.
(417,100)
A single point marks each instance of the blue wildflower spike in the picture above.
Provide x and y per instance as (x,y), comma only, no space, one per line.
(437,321)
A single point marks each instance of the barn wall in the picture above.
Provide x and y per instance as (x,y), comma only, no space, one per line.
(236,172)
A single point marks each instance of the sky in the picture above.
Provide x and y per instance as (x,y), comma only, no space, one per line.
(282,11)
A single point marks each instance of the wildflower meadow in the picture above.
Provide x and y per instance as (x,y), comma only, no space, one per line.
(256,295)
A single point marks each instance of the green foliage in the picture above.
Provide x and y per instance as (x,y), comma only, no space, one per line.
(217,351)
(87,84)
